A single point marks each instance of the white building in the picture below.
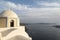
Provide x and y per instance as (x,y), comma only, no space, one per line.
(10,28)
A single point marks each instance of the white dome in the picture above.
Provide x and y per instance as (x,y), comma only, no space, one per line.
(8,13)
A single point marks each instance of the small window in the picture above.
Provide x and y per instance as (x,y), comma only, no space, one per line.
(12,23)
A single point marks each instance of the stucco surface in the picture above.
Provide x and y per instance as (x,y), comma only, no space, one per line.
(2,22)
(8,13)
(14,34)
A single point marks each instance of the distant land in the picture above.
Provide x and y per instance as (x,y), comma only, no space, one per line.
(37,23)
(52,24)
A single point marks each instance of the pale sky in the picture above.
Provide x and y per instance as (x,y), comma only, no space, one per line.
(34,11)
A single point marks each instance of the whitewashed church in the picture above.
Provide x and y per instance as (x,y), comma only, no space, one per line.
(10,28)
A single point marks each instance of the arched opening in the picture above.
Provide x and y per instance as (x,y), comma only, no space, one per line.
(12,23)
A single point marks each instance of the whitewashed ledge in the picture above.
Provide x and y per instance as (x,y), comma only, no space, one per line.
(14,33)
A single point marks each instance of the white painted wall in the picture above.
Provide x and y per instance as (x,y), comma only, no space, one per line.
(19,31)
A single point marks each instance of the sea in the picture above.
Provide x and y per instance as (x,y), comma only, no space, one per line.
(43,31)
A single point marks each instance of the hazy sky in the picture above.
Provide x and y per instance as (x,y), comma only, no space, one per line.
(34,11)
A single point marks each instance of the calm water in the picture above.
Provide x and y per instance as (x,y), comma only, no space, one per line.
(43,31)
